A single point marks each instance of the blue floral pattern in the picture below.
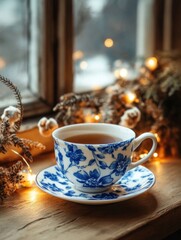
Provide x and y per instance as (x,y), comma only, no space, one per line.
(74,154)
(120,165)
(93,179)
(99,168)
(133,183)
(110,148)
(59,160)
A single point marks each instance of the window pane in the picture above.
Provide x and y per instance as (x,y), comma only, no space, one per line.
(13,46)
(105,35)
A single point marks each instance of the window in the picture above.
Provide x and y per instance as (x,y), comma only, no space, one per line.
(105,34)
(109,35)
(13,46)
(32,52)
(18,51)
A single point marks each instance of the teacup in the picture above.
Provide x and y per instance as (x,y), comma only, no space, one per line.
(95,167)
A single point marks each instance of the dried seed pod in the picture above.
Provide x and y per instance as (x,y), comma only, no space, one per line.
(130,118)
(47,126)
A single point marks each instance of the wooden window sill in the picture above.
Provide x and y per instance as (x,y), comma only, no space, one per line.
(33,214)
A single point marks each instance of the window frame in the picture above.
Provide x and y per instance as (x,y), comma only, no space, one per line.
(50,67)
(55,46)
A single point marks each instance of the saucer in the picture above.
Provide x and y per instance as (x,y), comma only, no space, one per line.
(135,182)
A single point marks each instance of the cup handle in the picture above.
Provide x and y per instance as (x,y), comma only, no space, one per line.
(137,141)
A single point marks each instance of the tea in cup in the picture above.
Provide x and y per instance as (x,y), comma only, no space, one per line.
(94,156)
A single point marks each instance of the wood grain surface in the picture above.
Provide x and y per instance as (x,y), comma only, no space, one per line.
(32,214)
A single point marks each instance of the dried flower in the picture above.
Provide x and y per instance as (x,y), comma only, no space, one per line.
(70,104)
(130,118)
(13,115)
(47,126)
(9,179)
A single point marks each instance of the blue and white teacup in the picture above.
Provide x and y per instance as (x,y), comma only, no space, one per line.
(95,167)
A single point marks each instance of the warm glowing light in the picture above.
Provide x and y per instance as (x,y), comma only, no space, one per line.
(123,72)
(97,117)
(157,137)
(28,179)
(2,63)
(83,65)
(32,195)
(130,97)
(88,118)
(143,155)
(31,178)
(77,55)
(151,63)
(92,118)
(108,42)
(155,155)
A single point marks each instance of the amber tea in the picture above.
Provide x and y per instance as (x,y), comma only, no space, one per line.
(92,138)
